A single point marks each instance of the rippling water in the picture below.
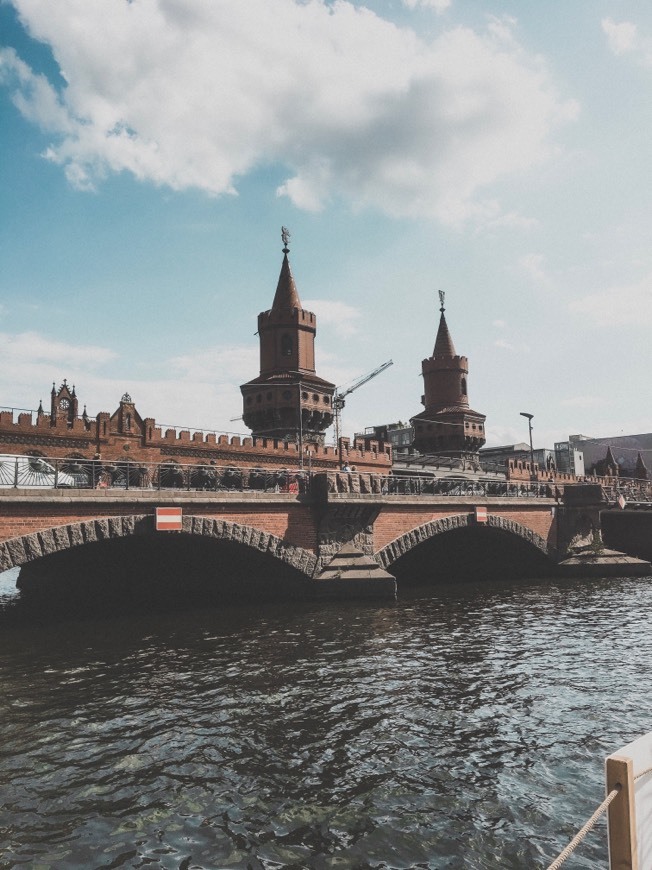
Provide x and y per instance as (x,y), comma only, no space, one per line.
(463,727)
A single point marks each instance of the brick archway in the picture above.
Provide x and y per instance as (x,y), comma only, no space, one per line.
(28,548)
(402,545)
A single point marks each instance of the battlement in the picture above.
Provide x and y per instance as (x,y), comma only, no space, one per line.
(444,362)
(85,438)
(298,316)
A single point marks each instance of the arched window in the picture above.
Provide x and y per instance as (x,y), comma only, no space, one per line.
(464,386)
(286,345)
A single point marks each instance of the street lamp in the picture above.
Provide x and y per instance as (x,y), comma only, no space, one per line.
(529,423)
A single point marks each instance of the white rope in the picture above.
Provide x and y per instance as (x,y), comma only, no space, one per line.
(643,773)
(579,836)
(577,839)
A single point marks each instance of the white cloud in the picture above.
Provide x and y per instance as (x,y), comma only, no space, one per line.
(201,391)
(533,266)
(31,348)
(238,363)
(630,305)
(499,324)
(340,316)
(193,94)
(504,344)
(439,6)
(623,38)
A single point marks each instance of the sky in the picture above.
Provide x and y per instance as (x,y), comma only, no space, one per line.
(498,150)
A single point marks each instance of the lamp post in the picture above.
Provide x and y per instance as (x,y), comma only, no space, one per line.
(529,423)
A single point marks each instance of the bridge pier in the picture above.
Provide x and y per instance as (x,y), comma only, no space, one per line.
(352,574)
(582,549)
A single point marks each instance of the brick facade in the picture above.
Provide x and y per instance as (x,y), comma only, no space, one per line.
(126,436)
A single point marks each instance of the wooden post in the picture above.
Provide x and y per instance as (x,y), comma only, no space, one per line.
(623,849)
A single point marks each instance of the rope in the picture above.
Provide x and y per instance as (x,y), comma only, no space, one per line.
(577,839)
(643,773)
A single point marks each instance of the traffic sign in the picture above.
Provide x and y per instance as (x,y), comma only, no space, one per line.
(168,519)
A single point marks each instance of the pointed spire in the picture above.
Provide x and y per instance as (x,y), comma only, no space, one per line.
(286,297)
(641,468)
(40,408)
(54,391)
(443,343)
(610,461)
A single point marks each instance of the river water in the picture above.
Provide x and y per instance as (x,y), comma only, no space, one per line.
(464,726)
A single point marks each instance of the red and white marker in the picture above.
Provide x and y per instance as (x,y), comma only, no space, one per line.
(168,519)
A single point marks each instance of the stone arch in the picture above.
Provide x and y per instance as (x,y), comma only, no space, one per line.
(27,548)
(402,545)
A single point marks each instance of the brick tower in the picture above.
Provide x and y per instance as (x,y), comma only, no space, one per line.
(447,426)
(287,400)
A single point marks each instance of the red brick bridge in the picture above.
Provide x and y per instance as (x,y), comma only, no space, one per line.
(379,517)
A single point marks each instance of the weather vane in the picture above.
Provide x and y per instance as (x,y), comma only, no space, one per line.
(285,238)
(442,297)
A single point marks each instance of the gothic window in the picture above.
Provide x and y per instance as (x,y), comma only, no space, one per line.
(286,345)
(128,422)
(464,386)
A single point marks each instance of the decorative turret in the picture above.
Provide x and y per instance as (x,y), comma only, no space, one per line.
(287,401)
(447,427)
(63,404)
(641,472)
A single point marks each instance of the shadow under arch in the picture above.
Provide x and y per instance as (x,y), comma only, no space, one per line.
(458,542)
(26,549)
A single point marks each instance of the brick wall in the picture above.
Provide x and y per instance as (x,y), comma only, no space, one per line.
(396,520)
(292,522)
(149,443)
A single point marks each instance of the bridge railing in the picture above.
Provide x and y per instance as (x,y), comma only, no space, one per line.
(415,485)
(37,472)
(628,492)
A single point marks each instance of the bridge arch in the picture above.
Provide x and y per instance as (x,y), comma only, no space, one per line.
(28,548)
(403,544)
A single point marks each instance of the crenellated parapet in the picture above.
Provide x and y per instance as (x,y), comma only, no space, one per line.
(126,436)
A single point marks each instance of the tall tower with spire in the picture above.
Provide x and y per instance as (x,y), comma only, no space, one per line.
(288,401)
(447,426)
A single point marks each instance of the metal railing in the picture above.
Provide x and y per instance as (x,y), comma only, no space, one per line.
(40,472)
(630,491)
(36,472)
(396,484)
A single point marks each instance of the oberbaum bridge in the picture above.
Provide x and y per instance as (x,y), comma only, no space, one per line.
(115,500)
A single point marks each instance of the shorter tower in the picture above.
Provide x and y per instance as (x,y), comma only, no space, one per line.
(287,401)
(447,427)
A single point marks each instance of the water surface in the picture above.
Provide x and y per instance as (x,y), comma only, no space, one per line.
(462,727)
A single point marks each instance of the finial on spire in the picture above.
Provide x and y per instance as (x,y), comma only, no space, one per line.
(442,297)
(285,238)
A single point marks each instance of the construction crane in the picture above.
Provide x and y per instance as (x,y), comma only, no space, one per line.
(338,398)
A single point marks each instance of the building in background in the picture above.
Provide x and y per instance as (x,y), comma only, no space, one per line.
(495,457)
(399,435)
(630,454)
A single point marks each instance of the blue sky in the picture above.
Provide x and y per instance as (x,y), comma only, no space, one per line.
(499,151)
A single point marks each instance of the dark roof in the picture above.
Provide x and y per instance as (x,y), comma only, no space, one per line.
(443,343)
(286,297)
